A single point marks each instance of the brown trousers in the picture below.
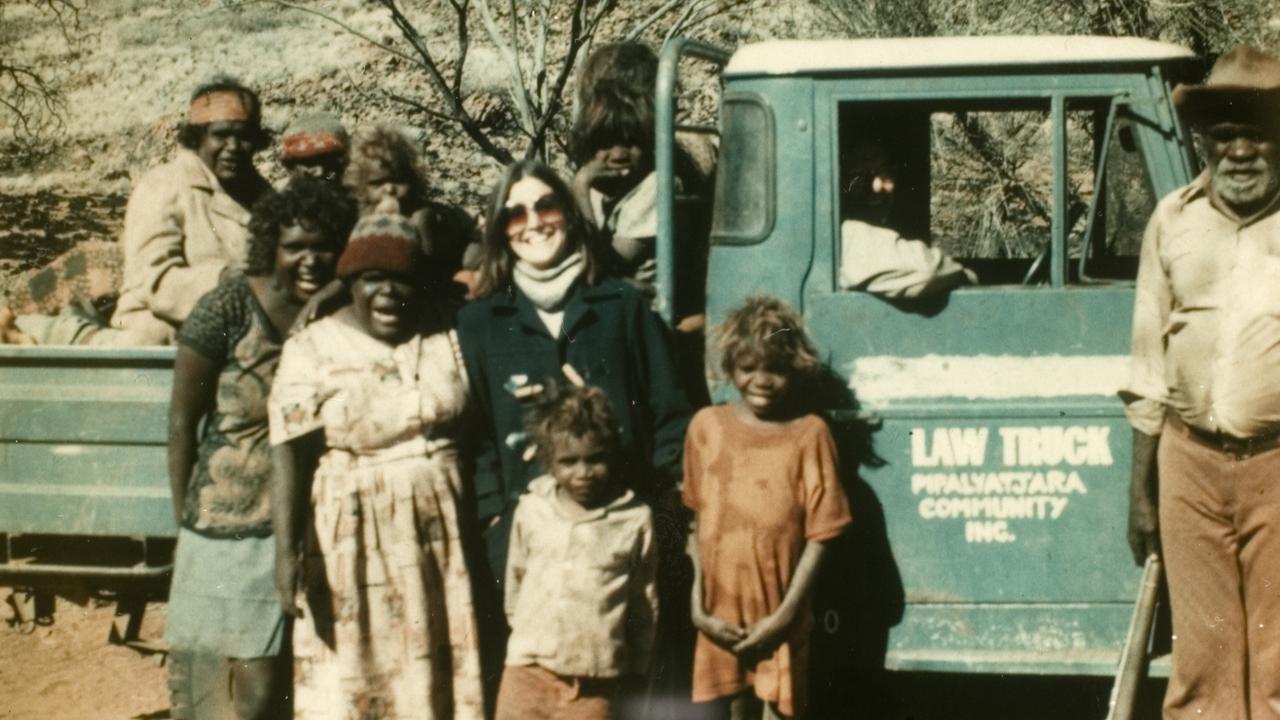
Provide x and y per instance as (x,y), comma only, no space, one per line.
(533,693)
(1220,530)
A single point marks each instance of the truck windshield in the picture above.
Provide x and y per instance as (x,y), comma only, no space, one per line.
(975,180)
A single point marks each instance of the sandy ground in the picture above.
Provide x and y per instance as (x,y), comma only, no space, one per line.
(68,670)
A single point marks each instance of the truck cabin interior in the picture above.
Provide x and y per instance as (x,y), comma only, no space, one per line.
(975,178)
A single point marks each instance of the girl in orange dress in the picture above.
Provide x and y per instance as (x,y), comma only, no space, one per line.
(760,474)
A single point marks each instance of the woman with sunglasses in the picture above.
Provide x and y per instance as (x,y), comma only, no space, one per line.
(547,312)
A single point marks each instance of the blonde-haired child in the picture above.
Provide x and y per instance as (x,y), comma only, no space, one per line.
(760,475)
(581,580)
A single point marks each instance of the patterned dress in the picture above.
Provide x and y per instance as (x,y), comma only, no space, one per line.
(222,597)
(388,630)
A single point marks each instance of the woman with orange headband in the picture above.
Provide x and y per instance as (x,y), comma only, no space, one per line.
(186,223)
(187,220)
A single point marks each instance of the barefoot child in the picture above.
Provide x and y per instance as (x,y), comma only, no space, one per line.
(760,474)
(581,593)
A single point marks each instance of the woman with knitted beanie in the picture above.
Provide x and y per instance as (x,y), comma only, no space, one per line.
(372,397)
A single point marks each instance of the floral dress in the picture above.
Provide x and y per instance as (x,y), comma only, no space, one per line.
(388,629)
(222,596)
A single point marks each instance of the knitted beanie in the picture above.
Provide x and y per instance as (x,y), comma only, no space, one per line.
(311,135)
(384,240)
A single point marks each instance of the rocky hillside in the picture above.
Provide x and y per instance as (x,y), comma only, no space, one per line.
(126,67)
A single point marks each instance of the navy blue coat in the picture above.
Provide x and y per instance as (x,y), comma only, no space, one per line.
(615,342)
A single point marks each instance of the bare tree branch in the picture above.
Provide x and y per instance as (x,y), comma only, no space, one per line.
(410,102)
(515,74)
(449,89)
(529,41)
(464,43)
(687,24)
(638,29)
(32,98)
(683,19)
(350,30)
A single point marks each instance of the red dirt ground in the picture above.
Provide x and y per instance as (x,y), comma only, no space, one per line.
(67,670)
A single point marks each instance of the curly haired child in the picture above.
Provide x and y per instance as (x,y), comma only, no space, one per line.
(382,164)
(581,576)
(383,175)
(760,475)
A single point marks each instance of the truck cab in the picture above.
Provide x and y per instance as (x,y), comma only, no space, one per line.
(985,447)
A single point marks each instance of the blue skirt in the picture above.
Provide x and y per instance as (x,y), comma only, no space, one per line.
(222,598)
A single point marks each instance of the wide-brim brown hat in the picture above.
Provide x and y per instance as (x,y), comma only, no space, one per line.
(1243,84)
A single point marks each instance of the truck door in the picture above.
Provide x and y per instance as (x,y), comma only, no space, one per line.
(1000,452)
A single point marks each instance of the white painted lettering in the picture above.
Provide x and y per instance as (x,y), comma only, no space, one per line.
(969,446)
(1009,445)
(988,532)
(1100,445)
(919,452)
(1035,480)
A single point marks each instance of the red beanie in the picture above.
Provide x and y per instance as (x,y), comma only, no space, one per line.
(381,241)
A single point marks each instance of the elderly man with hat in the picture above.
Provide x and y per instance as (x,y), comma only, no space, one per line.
(187,220)
(1204,398)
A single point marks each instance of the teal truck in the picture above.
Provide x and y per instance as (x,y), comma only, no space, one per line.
(84,491)
(985,446)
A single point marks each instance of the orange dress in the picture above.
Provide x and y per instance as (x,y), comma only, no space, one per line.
(761,494)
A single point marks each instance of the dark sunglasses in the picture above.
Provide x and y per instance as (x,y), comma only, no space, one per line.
(545,211)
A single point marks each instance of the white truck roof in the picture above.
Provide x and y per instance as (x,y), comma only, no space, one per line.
(801,57)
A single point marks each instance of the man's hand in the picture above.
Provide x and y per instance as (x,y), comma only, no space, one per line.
(1144,516)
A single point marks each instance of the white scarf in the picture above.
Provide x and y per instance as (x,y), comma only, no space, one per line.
(548,289)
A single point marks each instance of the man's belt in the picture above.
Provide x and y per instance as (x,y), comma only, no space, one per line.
(1222,442)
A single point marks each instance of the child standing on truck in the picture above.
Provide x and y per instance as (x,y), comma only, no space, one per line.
(613,144)
(760,475)
(581,582)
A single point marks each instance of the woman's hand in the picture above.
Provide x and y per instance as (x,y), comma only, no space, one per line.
(722,633)
(286,580)
(762,638)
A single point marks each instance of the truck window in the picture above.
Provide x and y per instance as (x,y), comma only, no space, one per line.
(975,180)
(1123,207)
(744,211)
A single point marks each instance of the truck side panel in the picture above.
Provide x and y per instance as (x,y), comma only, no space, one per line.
(82,441)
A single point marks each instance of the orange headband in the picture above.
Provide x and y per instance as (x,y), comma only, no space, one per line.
(218,105)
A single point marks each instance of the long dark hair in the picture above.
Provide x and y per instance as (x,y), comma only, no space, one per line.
(616,115)
(497,260)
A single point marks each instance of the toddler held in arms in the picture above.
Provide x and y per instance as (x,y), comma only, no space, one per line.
(581,588)
(760,475)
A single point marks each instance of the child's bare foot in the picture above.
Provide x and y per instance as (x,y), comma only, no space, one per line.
(9,332)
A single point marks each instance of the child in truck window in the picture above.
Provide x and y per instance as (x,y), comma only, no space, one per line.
(875,258)
(760,475)
(581,583)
